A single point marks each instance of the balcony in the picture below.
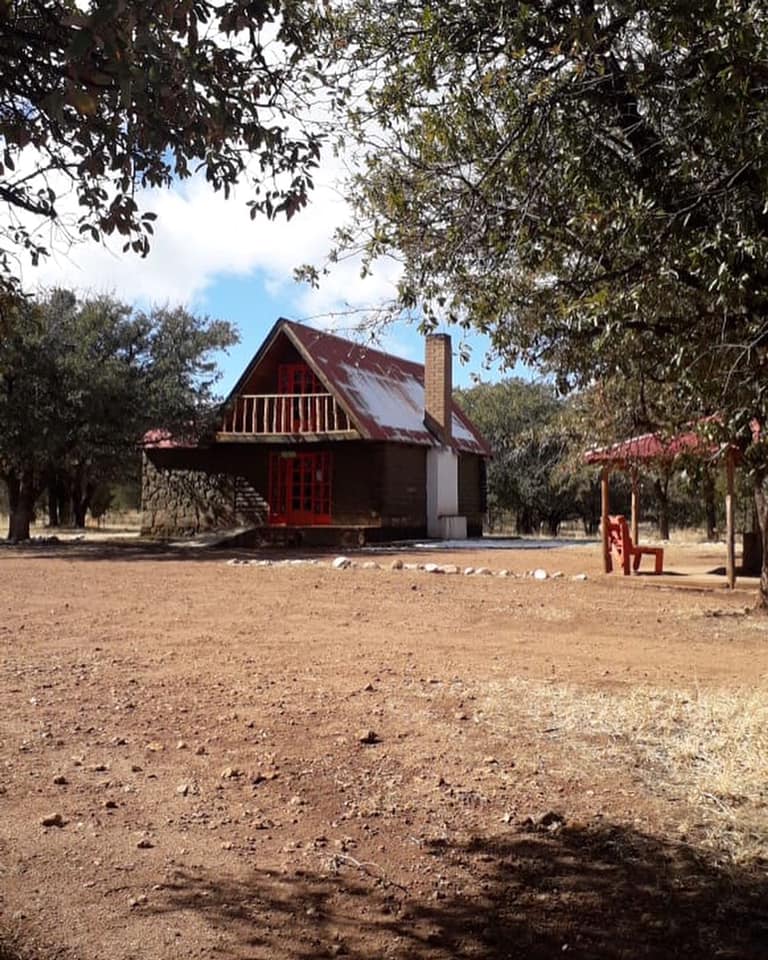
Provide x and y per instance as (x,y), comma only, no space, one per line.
(284,415)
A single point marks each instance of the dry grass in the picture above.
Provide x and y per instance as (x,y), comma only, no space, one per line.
(708,748)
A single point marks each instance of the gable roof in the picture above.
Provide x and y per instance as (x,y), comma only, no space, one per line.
(382,394)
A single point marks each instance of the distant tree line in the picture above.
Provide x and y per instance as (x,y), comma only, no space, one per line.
(538,480)
(81,381)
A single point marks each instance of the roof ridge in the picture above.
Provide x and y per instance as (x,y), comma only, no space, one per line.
(325,334)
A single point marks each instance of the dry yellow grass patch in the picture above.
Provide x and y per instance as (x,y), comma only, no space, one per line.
(708,748)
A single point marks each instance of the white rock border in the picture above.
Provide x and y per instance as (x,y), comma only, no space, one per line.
(347,563)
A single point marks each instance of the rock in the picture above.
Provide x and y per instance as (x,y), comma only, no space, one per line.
(60,780)
(144,843)
(368,736)
(412,566)
(503,573)
(468,571)
(557,575)
(540,574)
(370,565)
(110,804)
(200,750)
(182,789)
(580,576)
(450,568)
(460,715)
(433,568)
(53,820)
(341,563)
(231,773)
(154,746)
(397,564)
(482,572)
(369,687)
(137,901)
(181,745)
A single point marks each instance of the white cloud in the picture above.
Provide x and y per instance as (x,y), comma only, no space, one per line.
(201,237)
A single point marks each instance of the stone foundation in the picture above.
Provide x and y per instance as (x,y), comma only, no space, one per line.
(178,502)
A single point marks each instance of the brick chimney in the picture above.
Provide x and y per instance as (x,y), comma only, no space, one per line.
(438,385)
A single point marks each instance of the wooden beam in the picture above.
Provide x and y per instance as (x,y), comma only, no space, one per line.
(730,532)
(635,515)
(605,511)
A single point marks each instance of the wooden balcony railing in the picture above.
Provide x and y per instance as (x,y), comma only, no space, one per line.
(279,413)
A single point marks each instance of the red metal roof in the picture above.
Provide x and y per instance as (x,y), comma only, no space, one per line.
(383,394)
(164,439)
(652,446)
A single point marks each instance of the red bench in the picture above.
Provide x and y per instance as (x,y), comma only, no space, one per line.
(626,551)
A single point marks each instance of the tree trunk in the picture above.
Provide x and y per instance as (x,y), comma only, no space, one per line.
(21,503)
(761,508)
(661,489)
(53,504)
(710,507)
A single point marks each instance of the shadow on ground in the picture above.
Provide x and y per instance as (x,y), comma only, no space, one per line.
(542,892)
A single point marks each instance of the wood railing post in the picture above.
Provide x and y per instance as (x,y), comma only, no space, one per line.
(730,531)
(605,511)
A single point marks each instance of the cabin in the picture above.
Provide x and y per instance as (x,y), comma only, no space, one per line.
(325,441)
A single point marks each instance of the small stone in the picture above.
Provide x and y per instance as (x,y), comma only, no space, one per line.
(137,901)
(231,773)
(450,568)
(341,563)
(580,576)
(468,571)
(53,820)
(460,715)
(369,687)
(118,741)
(557,575)
(181,745)
(60,780)
(144,843)
(397,564)
(200,751)
(433,568)
(540,574)
(227,845)
(135,768)
(368,736)
(503,573)
(182,789)
(482,572)
(110,804)
(155,747)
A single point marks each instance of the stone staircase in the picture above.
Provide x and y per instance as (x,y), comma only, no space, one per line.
(250,506)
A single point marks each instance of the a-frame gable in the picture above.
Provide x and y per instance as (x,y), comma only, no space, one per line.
(282,330)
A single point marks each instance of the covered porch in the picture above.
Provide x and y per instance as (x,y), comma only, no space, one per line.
(630,455)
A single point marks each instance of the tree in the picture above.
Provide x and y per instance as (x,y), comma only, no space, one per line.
(521,421)
(585,181)
(81,382)
(105,97)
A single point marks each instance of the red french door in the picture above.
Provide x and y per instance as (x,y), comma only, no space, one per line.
(300,488)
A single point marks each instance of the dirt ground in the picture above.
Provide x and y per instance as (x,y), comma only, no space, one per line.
(207,759)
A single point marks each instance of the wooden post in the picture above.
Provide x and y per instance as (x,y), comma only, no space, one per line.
(635,516)
(605,510)
(730,534)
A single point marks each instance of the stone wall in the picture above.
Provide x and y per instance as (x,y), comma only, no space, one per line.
(181,502)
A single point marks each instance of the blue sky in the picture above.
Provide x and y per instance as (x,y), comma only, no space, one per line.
(210,256)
